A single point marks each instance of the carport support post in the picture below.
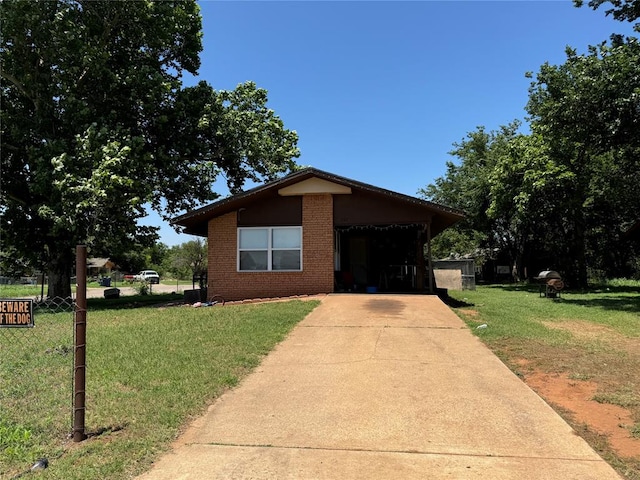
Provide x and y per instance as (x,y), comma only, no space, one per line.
(429,260)
(80,347)
(420,270)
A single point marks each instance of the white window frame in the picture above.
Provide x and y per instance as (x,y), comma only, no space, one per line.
(270,248)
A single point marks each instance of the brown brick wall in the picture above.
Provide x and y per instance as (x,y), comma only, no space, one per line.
(317,236)
(317,257)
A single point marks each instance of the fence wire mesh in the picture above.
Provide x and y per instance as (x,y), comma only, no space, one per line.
(36,381)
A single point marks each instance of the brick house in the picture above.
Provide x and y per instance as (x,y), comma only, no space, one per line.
(315,232)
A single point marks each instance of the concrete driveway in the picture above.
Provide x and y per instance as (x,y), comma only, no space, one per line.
(381,387)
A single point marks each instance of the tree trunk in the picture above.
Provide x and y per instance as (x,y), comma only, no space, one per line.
(59,270)
(574,260)
(518,268)
(577,241)
(581,256)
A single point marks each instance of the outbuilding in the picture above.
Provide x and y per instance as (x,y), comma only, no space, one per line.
(315,232)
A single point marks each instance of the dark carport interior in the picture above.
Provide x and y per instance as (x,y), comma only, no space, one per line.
(382,258)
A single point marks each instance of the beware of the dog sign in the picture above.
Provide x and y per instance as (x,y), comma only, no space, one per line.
(16,313)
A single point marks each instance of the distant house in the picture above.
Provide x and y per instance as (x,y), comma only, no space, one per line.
(315,232)
(99,266)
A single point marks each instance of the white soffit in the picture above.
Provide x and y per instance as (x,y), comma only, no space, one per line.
(314,185)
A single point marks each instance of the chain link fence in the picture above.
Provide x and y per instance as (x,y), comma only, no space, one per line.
(36,382)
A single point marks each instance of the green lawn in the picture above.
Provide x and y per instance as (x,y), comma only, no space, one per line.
(592,335)
(173,281)
(518,312)
(18,291)
(149,370)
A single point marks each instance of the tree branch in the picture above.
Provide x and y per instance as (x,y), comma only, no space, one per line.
(10,147)
(16,83)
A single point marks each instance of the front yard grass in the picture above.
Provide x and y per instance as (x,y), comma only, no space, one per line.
(18,291)
(33,291)
(588,336)
(148,371)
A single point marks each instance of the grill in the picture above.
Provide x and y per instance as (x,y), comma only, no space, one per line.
(551,283)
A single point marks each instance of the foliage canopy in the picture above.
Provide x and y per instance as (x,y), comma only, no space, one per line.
(96,124)
(562,195)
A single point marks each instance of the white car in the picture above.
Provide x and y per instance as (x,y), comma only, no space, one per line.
(150,276)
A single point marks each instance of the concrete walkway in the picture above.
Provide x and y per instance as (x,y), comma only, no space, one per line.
(381,387)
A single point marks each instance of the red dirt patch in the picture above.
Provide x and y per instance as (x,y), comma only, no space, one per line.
(576,397)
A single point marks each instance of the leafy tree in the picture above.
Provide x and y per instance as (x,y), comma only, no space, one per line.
(189,259)
(456,242)
(622,10)
(155,257)
(12,265)
(522,203)
(588,112)
(95,124)
(611,208)
(562,196)
(138,258)
(528,198)
(132,261)
(467,186)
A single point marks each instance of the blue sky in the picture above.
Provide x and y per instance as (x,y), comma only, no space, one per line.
(380,91)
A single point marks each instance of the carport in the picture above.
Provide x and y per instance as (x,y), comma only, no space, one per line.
(382,240)
(383,258)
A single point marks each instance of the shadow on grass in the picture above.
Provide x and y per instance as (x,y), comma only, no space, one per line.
(134,301)
(620,304)
(516,287)
(453,302)
(612,289)
(535,287)
(598,296)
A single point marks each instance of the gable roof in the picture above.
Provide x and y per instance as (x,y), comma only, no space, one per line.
(195,221)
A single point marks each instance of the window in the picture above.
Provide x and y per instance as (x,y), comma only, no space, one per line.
(271,248)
